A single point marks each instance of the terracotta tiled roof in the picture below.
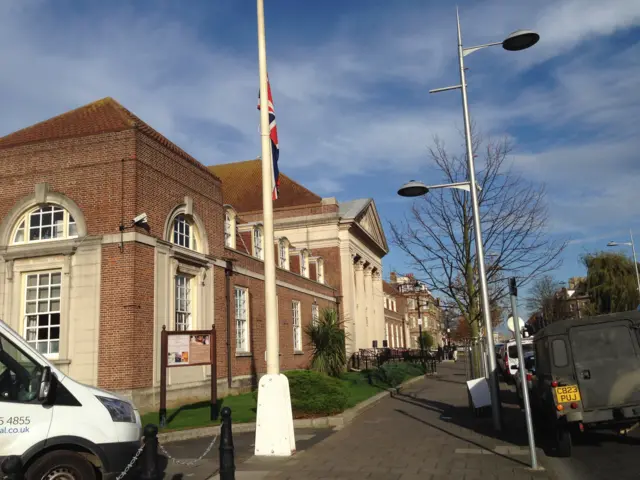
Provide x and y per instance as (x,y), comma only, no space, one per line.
(389,289)
(102,116)
(242,187)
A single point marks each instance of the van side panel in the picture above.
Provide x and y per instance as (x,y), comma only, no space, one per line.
(607,364)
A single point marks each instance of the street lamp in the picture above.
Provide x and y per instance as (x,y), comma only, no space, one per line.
(518,40)
(633,249)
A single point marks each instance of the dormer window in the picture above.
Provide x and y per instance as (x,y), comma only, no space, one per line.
(320,270)
(229,228)
(304,263)
(258,246)
(283,253)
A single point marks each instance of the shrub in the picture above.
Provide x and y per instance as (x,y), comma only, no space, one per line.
(426,340)
(316,393)
(327,338)
(393,374)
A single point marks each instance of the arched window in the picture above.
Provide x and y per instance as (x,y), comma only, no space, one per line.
(283,253)
(320,270)
(44,223)
(185,232)
(304,263)
(229,227)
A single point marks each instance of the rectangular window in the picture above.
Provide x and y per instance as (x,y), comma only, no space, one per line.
(183,303)
(559,350)
(283,256)
(242,319)
(182,232)
(315,313)
(297,327)
(303,264)
(385,302)
(42,311)
(321,272)
(257,242)
(227,230)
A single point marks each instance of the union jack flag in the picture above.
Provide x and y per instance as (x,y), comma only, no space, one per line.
(275,147)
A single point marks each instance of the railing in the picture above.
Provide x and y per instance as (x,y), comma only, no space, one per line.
(369,358)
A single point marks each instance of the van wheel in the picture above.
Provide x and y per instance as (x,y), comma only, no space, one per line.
(61,465)
(563,441)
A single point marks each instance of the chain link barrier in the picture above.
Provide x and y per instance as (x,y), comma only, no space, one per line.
(192,462)
(174,460)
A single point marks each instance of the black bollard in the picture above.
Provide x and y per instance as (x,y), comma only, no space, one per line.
(227,463)
(150,453)
(12,468)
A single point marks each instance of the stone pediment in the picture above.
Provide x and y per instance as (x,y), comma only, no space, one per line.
(369,221)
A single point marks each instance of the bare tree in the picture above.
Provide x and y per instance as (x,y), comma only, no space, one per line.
(542,298)
(438,233)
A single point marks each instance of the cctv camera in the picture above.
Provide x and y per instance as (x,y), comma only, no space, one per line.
(140,219)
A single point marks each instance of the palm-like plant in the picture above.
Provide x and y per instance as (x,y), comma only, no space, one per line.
(327,338)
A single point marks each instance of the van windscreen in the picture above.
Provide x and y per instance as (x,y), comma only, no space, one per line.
(513,350)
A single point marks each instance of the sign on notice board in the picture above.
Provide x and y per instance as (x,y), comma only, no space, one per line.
(188,349)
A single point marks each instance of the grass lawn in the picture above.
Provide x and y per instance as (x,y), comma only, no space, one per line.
(243,407)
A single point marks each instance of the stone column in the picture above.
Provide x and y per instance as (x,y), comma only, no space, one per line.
(370,311)
(361,327)
(378,299)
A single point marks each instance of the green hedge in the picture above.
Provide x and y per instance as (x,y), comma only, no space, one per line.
(316,393)
(393,374)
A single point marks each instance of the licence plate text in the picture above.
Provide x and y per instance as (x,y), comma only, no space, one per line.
(569,393)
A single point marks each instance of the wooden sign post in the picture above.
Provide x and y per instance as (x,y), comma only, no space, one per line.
(187,348)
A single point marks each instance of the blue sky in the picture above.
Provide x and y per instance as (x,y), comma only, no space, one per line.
(350,82)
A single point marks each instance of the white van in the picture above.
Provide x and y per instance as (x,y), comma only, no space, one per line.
(510,357)
(59,427)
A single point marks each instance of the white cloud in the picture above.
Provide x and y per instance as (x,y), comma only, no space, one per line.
(355,101)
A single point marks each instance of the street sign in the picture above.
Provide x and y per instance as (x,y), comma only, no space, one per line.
(510,323)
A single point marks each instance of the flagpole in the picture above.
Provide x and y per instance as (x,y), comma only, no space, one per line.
(274,422)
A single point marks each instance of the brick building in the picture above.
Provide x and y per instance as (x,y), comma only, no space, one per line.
(421,305)
(341,244)
(91,290)
(396,318)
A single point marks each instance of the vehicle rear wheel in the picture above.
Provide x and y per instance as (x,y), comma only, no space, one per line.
(563,441)
(61,465)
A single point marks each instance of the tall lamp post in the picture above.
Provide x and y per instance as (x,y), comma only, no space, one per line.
(633,249)
(518,40)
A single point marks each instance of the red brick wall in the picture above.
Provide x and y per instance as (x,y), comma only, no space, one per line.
(332,265)
(126,317)
(89,170)
(313,271)
(246,246)
(163,179)
(255,364)
(294,263)
(292,212)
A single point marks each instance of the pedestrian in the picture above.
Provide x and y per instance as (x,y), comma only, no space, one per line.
(440,353)
(455,353)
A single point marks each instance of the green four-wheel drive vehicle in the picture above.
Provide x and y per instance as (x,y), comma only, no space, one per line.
(586,376)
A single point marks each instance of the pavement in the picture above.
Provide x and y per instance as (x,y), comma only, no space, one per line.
(425,432)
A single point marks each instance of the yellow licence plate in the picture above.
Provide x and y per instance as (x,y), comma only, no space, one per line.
(569,393)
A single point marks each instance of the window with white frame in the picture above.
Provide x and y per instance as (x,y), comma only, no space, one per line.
(297,326)
(315,313)
(283,254)
(242,319)
(304,263)
(385,302)
(227,229)
(184,233)
(320,270)
(183,303)
(45,223)
(42,311)
(386,332)
(257,242)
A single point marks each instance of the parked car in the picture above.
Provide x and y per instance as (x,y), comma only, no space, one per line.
(529,366)
(587,376)
(509,360)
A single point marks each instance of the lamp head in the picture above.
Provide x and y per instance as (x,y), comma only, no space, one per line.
(612,244)
(413,189)
(520,40)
